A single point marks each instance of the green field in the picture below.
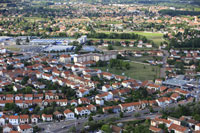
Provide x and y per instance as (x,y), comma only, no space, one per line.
(156,37)
(35,19)
(126,48)
(141,59)
(112,39)
(137,71)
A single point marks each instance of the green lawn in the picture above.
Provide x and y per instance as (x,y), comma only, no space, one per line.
(156,37)
(111,39)
(137,71)
(34,19)
(126,48)
(141,59)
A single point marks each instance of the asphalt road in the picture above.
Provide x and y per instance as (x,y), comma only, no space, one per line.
(64,126)
(163,69)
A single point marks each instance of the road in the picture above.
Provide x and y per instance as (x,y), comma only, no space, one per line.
(163,69)
(57,127)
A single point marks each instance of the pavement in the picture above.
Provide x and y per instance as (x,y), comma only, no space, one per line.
(163,69)
(64,126)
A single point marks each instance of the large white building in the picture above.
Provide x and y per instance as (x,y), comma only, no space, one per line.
(94,57)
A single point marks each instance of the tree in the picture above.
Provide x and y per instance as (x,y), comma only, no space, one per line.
(106,128)
(127,66)
(11,106)
(151,109)
(72,129)
(137,114)
(197,117)
(18,42)
(27,40)
(110,47)
(90,118)
(25,80)
(121,114)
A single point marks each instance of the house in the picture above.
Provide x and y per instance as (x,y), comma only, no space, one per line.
(174,120)
(107,96)
(35,118)
(107,75)
(47,118)
(19,103)
(163,88)
(158,81)
(49,96)
(148,45)
(19,97)
(83,100)
(13,119)
(18,79)
(39,85)
(111,109)
(69,114)
(107,88)
(129,107)
(74,103)
(65,58)
(82,111)
(25,128)
(23,119)
(175,96)
(28,97)
(153,87)
(116,129)
(116,85)
(7,128)
(197,127)
(38,96)
(178,129)
(126,83)
(92,108)
(155,129)
(9,97)
(58,115)
(82,92)
(56,73)
(163,101)
(47,76)
(62,102)
(157,121)
(99,101)
(2,120)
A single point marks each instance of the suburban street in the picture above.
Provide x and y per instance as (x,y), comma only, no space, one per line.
(64,126)
(163,69)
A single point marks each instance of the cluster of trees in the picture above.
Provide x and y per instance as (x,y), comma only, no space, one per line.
(190,109)
(178,12)
(140,94)
(114,63)
(119,64)
(137,126)
(115,36)
(192,43)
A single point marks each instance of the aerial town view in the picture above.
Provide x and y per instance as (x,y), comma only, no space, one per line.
(99,66)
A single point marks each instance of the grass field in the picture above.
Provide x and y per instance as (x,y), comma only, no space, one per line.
(126,48)
(112,39)
(141,59)
(156,37)
(137,71)
(35,19)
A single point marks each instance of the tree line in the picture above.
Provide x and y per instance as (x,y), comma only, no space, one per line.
(115,36)
(178,12)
